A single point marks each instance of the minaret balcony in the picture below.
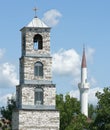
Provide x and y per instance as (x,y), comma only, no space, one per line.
(83,86)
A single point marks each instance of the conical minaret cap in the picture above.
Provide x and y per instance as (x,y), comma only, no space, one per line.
(84,65)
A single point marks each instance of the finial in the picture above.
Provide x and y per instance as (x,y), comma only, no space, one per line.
(35,10)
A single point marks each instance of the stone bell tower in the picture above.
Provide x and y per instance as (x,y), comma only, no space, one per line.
(36,106)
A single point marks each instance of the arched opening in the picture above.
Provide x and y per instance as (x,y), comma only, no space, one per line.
(38,96)
(38,69)
(37,42)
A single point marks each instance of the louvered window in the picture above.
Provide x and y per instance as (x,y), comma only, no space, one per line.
(38,69)
(38,96)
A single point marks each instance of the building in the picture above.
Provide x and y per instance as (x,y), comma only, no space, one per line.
(36,94)
(84,86)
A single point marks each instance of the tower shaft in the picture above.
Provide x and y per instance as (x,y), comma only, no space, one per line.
(84,103)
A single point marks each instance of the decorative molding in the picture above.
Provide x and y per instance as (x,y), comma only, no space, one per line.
(37,82)
(38,107)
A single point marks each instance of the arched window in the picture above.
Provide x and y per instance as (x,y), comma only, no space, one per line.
(38,69)
(37,42)
(38,96)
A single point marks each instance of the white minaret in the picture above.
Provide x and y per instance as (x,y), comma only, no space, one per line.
(84,86)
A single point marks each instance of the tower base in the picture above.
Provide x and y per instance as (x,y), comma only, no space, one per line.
(35,120)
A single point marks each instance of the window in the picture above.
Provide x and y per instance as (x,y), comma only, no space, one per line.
(38,96)
(37,42)
(38,69)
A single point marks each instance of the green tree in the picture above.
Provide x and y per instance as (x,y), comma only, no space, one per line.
(79,122)
(102,121)
(7,111)
(67,107)
(70,116)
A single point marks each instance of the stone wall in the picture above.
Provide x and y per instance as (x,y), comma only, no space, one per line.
(26,95)
(35,120)
(27,72)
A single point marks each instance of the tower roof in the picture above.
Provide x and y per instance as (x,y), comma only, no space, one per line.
(83,59)
(36,22)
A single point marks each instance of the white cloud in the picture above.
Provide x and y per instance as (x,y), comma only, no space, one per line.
(66,62)
(52,17)
(92,99)
(8,76)
(8,80)
(2,51)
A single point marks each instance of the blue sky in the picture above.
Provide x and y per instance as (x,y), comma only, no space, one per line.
(73,23)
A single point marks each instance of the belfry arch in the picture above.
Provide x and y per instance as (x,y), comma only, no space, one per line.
(37,42)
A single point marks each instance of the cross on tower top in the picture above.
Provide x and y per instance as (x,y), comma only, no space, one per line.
(35,10)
